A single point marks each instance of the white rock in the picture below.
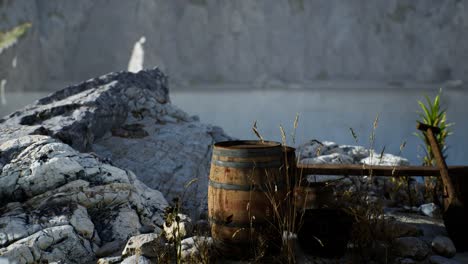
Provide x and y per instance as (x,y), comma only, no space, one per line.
(43,246)
(334,158)
(81,210)
(385,160)
(168,159)
(174,230)
(443,246)
(315,148)
(193,246)
(110,260)
(125,224)
(109,248)
(81,222)
(17,253)
(144,245)
(136,260)
(6,261)
(356,152)
(105,114)
(430,209)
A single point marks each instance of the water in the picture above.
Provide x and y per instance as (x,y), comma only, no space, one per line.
(324,114)
(14,101)
(329,115)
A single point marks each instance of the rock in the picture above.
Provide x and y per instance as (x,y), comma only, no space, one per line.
(431,227)
(18,252)
(173,155)
(385,160)
(430,209)
(59,204)
(145,229)
(316,152)
(411,247)
(441,260)
(401,229)
(6,261)
(127,118)
(126,224)
(334,158)
(315,148)
(405,261)
(197,248)
(177,227)
(461,257)
(356,152)
(443,246)
(81,113)
(326,152)
(81,222)
(144,245)
(51,244)
(109,260)
(110,248)
(136,260)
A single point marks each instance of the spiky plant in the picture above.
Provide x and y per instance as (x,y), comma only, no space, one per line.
(432,114)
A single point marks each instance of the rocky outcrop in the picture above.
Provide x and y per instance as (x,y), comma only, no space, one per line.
(77,167)
(127,118)
(79,114)
(411,247)
(444,246)
(59,204)
(327,152)
(377,187)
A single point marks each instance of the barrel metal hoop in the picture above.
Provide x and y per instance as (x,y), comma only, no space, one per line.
(247,153)
(251,164)
(246,188)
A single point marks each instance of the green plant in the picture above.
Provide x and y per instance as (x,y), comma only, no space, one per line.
(432,114)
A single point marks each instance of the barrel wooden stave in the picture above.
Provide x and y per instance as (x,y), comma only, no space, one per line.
(245,182)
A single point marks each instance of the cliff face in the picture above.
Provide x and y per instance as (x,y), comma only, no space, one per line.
(206,41)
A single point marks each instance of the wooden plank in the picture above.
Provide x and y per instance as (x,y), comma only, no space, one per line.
(377,170)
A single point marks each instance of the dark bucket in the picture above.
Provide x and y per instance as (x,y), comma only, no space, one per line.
(325,232)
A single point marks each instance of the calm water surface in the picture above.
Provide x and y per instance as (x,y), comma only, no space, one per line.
(323,115)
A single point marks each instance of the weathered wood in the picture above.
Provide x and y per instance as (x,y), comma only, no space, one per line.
(444,173)
(245,185)
(455,214)
(424,127)
(377,170)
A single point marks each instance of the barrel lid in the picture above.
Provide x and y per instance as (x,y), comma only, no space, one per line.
(247,148)
(247,144)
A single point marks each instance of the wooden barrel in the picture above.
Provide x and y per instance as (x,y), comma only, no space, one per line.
(245,182)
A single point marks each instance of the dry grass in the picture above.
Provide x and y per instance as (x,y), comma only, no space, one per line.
(371,235)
